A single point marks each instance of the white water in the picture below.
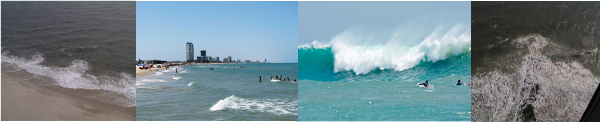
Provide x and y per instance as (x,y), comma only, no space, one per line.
(275,106)
(362,52)
(75,76)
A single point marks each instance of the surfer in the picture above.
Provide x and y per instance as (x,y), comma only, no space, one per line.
(426,84)
(459,83)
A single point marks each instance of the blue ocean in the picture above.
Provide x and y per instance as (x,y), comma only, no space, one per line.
(348,79)
(228,92)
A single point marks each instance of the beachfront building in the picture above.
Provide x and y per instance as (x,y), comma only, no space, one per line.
(218,59)
(202,52)
(189,52)
(225,60)
(238,61)
(265,60)
(229,59)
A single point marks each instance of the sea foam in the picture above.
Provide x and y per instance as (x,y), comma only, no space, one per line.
(275,106)
(353,49)
(75,76)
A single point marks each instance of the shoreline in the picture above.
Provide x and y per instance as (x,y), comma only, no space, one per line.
(23,99)
(141,73)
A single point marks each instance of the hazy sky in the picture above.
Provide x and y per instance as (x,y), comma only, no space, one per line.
(323,20)
(244,30)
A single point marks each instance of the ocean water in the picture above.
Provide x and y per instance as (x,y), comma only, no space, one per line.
(225,93)
(361,76)
(534,60)
(76,45)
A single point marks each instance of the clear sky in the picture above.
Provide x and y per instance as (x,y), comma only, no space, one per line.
(323,20)
(244,30)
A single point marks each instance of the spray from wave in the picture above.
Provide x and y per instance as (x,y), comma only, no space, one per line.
(363,52)
(75,76)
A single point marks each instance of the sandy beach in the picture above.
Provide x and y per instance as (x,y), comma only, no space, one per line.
(141,73)
(24,100)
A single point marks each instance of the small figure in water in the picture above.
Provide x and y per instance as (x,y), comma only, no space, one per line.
(175,70)
(288,78)
(294,80)
(276,77)
(259,78)
(459,83)
(426,84)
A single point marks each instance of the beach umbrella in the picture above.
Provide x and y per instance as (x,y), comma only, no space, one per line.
(140,64)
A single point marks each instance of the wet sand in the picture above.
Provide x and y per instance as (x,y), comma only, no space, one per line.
(25,100)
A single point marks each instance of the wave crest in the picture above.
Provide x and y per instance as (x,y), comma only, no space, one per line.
(400,51)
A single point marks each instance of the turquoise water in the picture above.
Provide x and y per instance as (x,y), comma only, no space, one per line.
(382,94)
(225,93)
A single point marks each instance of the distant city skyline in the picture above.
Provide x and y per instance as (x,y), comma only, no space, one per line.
(244,30)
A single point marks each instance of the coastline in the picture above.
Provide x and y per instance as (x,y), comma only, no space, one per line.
(25,100)
(141,73)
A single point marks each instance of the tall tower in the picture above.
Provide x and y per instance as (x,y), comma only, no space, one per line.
(189,51)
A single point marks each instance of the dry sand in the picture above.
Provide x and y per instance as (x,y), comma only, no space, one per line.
(24,100)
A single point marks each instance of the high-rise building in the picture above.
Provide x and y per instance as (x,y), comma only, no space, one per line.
(229,57)
(189,52)
(265,60)
(217,58)
(202,52)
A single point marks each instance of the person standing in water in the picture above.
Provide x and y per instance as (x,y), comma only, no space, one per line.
(175,70)
(260,78)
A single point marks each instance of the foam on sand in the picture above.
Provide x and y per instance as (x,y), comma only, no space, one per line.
(75,76)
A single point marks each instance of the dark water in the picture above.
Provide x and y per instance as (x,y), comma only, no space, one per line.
(227,93)
(534,60)
(81,45)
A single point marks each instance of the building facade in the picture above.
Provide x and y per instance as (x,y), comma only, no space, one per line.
(189,52)
(202,52)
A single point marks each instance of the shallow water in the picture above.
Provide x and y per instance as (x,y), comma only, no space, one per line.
(225,93)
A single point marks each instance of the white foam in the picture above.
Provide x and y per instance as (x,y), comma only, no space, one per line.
(190,83)
(176,77)
(75,77)
(275,106)
(315,44)
(402,50)
(158,73)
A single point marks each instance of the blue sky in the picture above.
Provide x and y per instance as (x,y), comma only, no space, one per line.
(244,30)
(323,20)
